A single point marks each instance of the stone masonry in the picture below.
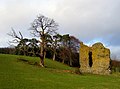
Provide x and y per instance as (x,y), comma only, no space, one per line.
(95,59)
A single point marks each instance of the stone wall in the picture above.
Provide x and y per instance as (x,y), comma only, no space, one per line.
(95,59)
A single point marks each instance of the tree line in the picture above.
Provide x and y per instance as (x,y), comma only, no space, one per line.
(115,66)
(51,44)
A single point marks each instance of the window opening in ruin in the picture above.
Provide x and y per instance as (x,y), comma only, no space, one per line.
(90,59)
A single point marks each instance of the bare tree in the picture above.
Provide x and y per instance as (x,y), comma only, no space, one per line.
(18,39)
(42,27)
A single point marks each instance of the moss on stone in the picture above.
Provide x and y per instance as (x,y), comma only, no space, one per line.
(100,59)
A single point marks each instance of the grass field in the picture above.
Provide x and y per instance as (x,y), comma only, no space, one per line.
(15,74)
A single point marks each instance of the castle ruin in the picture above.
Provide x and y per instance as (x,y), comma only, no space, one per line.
(95,59)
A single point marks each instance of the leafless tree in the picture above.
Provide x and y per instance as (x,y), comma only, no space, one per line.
(42,27)
(20,40)
(17,38)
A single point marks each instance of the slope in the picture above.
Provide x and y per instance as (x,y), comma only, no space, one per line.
(15,74)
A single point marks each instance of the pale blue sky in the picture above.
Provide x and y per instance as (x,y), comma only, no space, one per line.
(89,20)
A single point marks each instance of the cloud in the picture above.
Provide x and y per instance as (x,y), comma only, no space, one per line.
(90,19)
(115,53)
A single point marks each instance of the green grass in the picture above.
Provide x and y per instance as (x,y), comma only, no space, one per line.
(15,74)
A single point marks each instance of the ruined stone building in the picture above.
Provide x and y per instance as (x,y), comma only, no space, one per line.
(95,59)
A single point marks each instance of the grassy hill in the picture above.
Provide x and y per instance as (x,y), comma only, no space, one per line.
(15,74)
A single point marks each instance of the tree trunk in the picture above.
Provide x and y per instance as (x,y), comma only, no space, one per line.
(63,61)
(24,50)
(54,57)
(70,59)
(42,56)
(42,62)
(70,62)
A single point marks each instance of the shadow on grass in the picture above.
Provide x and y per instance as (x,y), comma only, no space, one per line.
(76,71)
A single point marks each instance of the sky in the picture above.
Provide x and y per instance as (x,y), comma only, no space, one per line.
(90,21)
